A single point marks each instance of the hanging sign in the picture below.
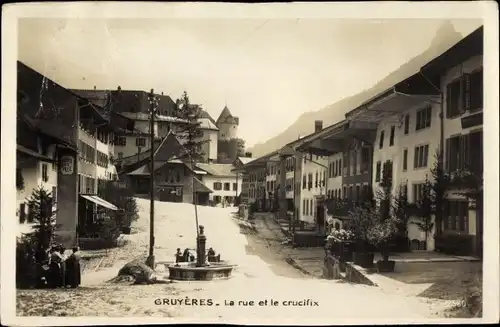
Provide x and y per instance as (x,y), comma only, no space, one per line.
(67,165)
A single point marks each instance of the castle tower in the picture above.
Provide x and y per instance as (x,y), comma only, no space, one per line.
(228,125)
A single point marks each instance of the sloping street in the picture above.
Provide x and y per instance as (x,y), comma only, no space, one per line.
(263,276)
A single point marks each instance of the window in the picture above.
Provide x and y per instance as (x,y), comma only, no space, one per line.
(405,159)
(358,194)
(31,214)
(453,99)
(391,137)
(217,198)
(316,180)
(420,158)
(417,191)
(310,181)
(377,172)
(339,167)
(304,206)
(456,213)
(381,141)
(365,159)
(476,152)
(407,124)
(227,186)
(54,195)
(22,213)
(476,91)
(344,194)
(45,174)
(140,141)
(235,186)
(350,193)
(310,207)
(304,182)
(354,157)
(423,118)
(120,140)
(217,186)
(457,152)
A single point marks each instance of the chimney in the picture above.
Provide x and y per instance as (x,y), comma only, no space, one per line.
(95,87)
(161,93)
(318,125)
(119,88)
(248,154)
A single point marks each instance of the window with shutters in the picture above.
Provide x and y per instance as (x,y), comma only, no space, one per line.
(377,171)
(339,167)
(456,214)
(227,187)
(22,213)
(217,186)
(421,156)
(381,140)
(354,162)
(316,180)
(391,138)
(304,182)
(405,159)
(310,181)
(476,152)
(407,124)
(304,206)
(424,117)
(457,152)
(417,191)
(476,91)
(45,173)
(453,98)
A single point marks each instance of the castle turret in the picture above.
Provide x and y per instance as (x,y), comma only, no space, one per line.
(228,125)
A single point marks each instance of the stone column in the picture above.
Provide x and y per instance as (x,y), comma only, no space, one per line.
(201,241)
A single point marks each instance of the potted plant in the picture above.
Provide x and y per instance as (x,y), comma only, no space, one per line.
(362,219)
(339,243)
(379,236)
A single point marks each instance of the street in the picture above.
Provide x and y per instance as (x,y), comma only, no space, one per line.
(263,286)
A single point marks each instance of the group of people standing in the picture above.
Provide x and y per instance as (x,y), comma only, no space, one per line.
(64,271)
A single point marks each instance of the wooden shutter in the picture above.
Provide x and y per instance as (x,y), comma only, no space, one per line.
(449,100)
(465,93)
(464,150)
(447,155)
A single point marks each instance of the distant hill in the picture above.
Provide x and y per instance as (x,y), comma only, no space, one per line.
(446,37)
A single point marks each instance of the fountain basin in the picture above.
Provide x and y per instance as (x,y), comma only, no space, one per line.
(189,271)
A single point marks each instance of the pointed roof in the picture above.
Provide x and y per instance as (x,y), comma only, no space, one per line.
(169,148)
(224,114)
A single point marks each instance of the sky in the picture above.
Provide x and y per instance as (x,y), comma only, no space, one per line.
(268,72)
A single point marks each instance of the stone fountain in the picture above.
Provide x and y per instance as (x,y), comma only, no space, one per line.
(201,268)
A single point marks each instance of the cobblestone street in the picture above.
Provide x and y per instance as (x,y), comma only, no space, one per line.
(262,274)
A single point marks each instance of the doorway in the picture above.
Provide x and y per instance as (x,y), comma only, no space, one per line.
(320,218)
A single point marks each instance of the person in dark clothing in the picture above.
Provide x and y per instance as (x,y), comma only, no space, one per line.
(55,268)
(73,272)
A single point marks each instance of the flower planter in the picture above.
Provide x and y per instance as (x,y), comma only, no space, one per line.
(385,266)
(363,259)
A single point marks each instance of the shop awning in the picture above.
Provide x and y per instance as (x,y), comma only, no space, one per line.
(100,202)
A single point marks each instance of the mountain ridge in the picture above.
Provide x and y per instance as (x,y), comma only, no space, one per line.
(446,36)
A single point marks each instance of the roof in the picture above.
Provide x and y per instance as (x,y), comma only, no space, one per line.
(217,169)
(226,115)
(146,171)
(245,160)
(199,187)
(206,123)
(471,45)
(145,117)
(33,153)
(204,114)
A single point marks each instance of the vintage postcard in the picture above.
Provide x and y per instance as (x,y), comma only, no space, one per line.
(298,163)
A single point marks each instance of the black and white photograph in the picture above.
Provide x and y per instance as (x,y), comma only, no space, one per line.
(300,163)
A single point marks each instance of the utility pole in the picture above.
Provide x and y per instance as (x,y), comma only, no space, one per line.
(150,261)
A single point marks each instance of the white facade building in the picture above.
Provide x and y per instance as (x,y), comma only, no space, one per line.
(209,138)
(313,184)
(221,181)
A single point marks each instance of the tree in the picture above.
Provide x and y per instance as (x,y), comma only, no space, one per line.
(240,147)
(401,209)
(123,198)
(44,218)
(425,208)
(190,133)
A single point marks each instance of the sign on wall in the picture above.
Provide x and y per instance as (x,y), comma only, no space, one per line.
(67,165)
